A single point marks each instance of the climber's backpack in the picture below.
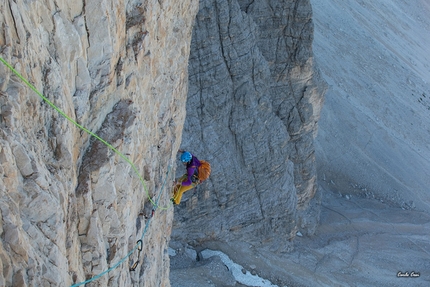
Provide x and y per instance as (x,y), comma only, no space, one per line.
(203,171)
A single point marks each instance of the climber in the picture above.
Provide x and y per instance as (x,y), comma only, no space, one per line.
(197,171)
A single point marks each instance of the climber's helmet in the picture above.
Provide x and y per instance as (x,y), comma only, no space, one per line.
(186,157)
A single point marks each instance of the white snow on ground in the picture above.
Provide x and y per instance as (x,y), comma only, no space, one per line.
(236,269)
(171,252)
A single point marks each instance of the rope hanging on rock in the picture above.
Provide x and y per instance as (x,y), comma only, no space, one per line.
(85,130)
(139,243)
(138,246)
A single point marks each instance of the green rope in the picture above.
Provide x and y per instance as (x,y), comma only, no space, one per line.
(84,129)
(155,204)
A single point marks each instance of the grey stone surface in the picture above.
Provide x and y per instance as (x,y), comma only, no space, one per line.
(253,104)
(211,273)
(70,208)
(359,242)
(373,154)
(375,126)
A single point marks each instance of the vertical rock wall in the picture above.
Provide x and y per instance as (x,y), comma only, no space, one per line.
(70,208)
(254,100)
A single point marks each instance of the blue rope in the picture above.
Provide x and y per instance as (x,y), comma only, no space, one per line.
(155,204)
(135,247)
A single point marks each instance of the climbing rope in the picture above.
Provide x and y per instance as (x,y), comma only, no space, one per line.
(84,129)
(139,243)
(138,246)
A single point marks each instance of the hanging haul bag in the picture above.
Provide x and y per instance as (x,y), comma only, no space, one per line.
(204,170)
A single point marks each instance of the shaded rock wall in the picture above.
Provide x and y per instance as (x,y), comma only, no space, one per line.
(254,100)
(70,208)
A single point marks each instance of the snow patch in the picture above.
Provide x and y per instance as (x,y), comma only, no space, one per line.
(236,269)
(171,252)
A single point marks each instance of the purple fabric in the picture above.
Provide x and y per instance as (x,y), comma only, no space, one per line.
(191,169)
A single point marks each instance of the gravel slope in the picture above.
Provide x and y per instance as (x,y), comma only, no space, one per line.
(374,132)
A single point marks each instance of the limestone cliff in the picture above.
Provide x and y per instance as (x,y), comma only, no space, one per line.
(254,100)
(70,208)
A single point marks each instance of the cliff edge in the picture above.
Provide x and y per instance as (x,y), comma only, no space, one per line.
(254,100)
(70,207)
(73,207)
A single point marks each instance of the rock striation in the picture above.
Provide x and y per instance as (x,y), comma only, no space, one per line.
(70,208)
(374,130)
(253,104)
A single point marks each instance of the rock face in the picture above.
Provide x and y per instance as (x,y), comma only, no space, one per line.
(254,100)
(373,156)
(70,207)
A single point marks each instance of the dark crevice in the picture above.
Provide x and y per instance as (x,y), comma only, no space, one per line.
(98,154)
